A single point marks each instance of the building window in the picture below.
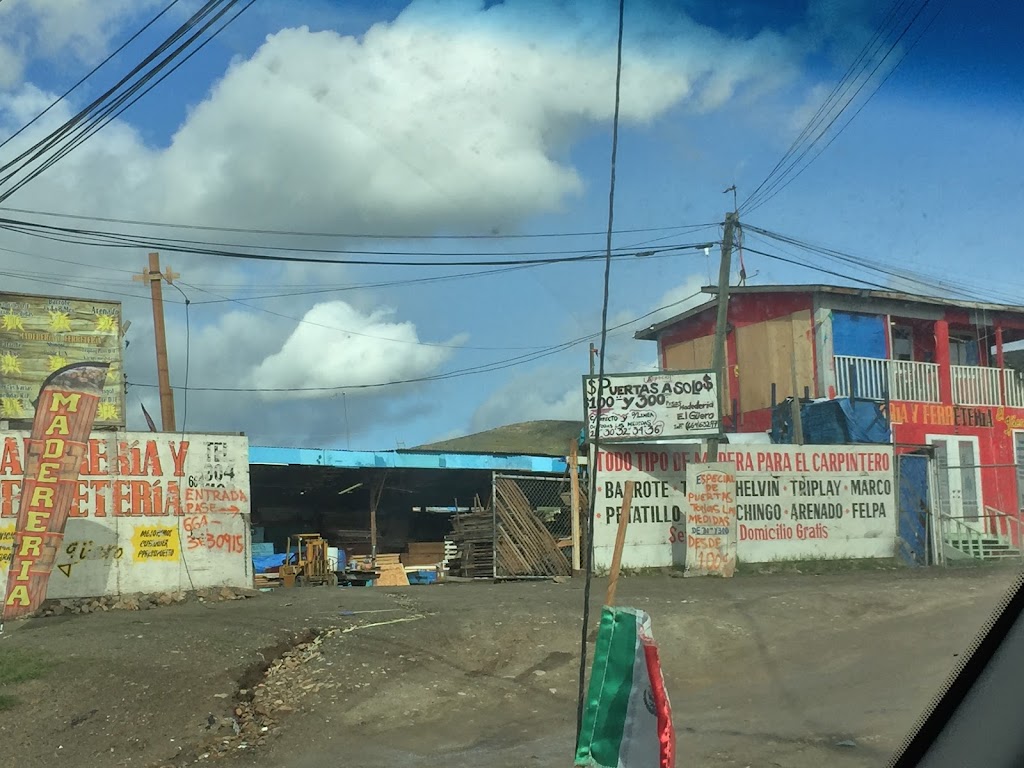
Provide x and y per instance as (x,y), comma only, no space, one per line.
(963,351)
(902,343)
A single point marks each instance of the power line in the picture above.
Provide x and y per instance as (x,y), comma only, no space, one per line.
(102,111)
(114,240)
(496,365)
(783,173)
(122,240)
(956,286)
(345,235)
(92,72)
(589,534)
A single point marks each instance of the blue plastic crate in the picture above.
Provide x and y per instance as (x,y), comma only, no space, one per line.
(422,577)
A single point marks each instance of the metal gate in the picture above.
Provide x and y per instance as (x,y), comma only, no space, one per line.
(532,526)
(915,512)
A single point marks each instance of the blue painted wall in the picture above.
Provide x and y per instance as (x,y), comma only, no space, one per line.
(859,335)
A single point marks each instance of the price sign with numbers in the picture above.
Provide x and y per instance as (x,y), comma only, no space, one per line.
(636,407)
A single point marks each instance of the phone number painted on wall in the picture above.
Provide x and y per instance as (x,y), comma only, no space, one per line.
(638,406)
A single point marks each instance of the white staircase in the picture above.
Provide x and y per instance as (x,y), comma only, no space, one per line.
(961,541)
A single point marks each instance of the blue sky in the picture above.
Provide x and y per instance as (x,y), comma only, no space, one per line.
(459,117)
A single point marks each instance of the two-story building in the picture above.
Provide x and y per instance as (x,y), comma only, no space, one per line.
(940,364)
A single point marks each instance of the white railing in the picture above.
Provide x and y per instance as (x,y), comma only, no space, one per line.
(1014,385)
(975,385)
(875,379)
(916,382)
(867,375)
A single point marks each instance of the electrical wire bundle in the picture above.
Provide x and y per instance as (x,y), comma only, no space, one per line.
(188,39)
(880,57)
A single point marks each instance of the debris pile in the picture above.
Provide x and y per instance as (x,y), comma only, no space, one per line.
(286,685)
(142,601)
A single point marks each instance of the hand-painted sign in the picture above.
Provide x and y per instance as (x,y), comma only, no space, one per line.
(42,334)
(792,502)
(146,513)
(711,519)
(65,411)
(645,406)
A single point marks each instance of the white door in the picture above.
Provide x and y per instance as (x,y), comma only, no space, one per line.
(958,479)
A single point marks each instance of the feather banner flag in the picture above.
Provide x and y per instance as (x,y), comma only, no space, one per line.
(64,418)
(627,722)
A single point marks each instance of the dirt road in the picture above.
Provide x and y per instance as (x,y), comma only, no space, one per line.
(784,670)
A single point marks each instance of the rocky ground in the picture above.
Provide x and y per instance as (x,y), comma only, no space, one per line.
(770,670)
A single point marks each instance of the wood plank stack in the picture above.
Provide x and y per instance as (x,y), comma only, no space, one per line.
(425,553)
(392,572)
(473,535)
(264,580)
(525,546)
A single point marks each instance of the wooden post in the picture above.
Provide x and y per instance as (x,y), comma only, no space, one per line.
(574,505)
(798,427)
(719,358)
(375,495)
(155,280)
(620,541)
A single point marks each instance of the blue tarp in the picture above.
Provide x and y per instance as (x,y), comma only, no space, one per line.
(833,422)
(865,421)
(263,563)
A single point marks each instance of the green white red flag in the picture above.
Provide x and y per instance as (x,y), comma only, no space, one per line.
(627,722)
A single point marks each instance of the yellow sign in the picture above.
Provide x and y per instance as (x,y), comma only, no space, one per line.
(154,544)
(41,334)
(6,544)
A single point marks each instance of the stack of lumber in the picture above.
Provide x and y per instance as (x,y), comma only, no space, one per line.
(424,553)
(263,580)
(392,572)
(473,535)
(525,546)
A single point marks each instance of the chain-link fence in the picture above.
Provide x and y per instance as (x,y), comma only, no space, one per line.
(533,529)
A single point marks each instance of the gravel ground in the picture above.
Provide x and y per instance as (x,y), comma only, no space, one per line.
(771,670)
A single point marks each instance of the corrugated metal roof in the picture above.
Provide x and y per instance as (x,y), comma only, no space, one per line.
(330,457)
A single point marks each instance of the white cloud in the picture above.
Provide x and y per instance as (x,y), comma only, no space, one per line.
(372,350)
(64,31)
(451,118)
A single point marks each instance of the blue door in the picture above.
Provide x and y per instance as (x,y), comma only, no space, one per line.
(914,508)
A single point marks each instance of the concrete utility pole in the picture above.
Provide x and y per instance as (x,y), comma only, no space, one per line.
(155,280)
(719,357)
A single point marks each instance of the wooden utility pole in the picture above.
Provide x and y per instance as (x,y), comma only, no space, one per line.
(155,280)
(593,356)
(719,357)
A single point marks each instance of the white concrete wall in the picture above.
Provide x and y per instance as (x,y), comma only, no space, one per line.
(153,513)
(792,503)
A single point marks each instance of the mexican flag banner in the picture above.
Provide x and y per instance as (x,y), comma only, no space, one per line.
(627,722)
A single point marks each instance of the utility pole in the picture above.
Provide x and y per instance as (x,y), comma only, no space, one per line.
(155,280)
(719,357)
(593,356)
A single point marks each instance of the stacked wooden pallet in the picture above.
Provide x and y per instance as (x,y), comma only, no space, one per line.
(525,546)
(473,535)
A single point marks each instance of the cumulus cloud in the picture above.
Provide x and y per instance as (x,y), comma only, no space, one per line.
(335,345)
(60,30)
(458,116)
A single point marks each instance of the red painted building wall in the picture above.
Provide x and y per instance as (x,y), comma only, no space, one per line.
(912,422)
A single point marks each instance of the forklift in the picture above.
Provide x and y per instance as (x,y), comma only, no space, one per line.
(310,565)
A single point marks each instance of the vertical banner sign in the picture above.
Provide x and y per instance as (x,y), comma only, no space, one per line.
(65,413)
(711,519)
